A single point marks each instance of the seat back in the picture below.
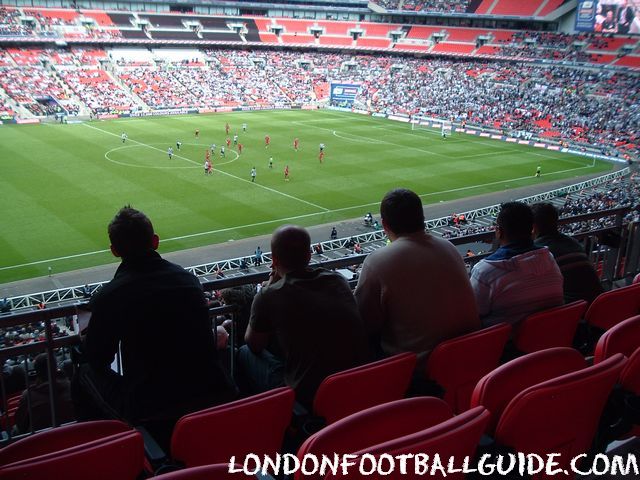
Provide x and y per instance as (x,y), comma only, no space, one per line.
(630,376)
(622,338)
(359,388)
(60,438)
(612,307)
(560,415)
(459,363)
(496,389)
(120,456)
(219,471)
(455,438)
(554,327)
(375,425)
(251,425)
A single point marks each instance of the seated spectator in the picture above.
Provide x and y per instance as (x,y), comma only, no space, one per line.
(581,281)
(304,322)
(415,292)
(37,397)
(155,314)
(519,278)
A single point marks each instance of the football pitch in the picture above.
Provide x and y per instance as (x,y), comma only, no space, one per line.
(61,184)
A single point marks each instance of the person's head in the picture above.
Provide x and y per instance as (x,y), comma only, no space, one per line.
(290,248)
(40,365)
(131,233)
(401,212)
(545,219)
(514,223)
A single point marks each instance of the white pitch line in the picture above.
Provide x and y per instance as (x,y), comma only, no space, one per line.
(378,141)
(273,190)
(288,219)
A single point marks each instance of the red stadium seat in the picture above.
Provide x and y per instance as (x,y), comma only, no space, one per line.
(636,279)
(374,426)
(358,388)
(560,415)
(251,425)
(69,453)
(496,389)
(458,364)
(208,472)
(612,307)
(455,438)
(60,438)
(623,338)
(554,327)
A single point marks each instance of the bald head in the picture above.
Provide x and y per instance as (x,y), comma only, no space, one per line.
(291,247)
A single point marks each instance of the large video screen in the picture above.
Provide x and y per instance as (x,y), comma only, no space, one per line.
(609,16)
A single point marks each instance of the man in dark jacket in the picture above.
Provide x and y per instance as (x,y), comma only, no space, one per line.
(155,313)
(581,281)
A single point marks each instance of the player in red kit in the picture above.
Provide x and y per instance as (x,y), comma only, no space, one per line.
(228,142)
(240,148)
(321,156)
(267,141)
(286,173)
(226,128)
(295,144)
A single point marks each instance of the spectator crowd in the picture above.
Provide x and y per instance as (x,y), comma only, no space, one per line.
(586,107)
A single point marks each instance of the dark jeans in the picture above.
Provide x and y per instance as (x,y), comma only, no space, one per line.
(258,373)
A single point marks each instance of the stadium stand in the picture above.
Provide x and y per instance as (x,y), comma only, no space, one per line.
(591,108)
(97,90)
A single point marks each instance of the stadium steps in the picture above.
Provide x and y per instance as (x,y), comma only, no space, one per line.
(540,8)
(113,75)
(492,6)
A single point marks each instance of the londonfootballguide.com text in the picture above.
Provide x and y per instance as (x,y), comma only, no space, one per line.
(423,464)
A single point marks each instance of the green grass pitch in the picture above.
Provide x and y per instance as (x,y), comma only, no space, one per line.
(61,184)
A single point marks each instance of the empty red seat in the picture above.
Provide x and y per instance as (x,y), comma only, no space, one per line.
(612,307)
(207,472)
(96,450)
(251,425)
(623,338)
(457,364)
(374,426)
(358,388)
(456,438)
(560,415)
(554,327)
(496,389)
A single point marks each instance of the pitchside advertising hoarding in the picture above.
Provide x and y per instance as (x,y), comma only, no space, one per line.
(608,16)
(344,94)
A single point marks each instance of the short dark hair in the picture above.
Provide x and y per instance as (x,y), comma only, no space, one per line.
(131,232)
(545,218)
(401,210)
(516,221)
(291,247)
(41,366)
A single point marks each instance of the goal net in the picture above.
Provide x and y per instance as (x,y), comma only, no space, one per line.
(419,122)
